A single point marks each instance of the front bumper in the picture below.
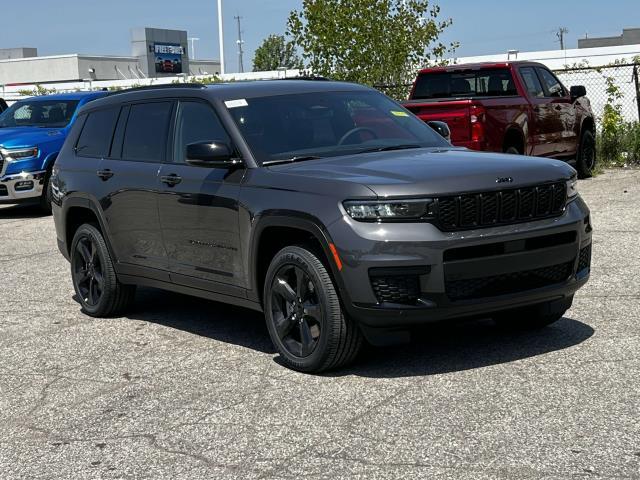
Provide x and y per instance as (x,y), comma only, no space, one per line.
(21,187)
(422,248)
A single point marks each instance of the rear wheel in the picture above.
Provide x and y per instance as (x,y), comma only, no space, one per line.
(47,195)
(303,314)
(94,278)
(586,159)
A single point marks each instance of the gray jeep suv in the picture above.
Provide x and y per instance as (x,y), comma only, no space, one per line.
(325,205)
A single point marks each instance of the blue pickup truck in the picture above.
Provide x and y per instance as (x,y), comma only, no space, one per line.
(32,132)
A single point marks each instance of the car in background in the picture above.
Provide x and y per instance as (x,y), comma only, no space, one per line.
(32,132)
(511,107)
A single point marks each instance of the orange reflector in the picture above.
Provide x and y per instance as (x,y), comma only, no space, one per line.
(336,257)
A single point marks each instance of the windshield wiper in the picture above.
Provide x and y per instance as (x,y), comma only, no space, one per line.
(389,148)
(301,158)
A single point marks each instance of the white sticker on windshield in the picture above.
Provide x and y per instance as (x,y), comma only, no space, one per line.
(240,102)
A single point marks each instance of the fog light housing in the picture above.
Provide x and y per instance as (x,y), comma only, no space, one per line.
(23,185)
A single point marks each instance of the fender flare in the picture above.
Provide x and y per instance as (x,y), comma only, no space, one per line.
(82,201)
(291,219)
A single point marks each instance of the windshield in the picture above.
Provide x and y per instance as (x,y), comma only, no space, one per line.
(39,113)
(327,124)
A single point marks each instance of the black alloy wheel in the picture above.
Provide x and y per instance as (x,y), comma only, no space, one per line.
(304,314)
(97,287)
(295,310)
(586,161)
(87,271)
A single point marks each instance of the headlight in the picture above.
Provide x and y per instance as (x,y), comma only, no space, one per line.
(390,210)
(20,153)
(572,188)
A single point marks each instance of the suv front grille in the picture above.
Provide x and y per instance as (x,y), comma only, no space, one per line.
(478,210)
(506,283)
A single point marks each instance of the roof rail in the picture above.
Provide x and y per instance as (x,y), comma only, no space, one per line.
(159,87)
(307,77)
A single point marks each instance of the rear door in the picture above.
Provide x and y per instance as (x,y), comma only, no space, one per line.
(131,174)
(199,206)
(560,101)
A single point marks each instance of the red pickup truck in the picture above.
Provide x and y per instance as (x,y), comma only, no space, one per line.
(510,107)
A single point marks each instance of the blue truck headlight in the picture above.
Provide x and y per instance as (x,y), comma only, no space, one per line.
(389,210)
(19,153)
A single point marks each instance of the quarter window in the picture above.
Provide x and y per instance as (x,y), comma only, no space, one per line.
(146,132)
(95,139)
(197,122)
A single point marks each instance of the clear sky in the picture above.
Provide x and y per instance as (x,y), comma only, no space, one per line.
(481,27)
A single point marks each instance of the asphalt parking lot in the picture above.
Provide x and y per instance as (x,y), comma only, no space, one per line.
(186,388)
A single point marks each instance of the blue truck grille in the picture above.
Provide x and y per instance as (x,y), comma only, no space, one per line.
(479,210)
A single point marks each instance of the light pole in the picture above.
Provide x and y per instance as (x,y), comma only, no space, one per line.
(220,37)
(193,47)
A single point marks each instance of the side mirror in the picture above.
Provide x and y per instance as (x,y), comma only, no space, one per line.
(213,154)
(442,128)
(578,91)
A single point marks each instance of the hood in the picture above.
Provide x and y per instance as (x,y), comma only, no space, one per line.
(18,137)
(423,172)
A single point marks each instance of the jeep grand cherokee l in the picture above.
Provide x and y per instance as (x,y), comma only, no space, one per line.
(325,205)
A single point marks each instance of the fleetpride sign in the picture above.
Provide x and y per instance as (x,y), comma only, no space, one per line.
(168,57)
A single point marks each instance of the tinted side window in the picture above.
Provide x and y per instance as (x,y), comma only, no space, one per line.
(146,133)
(95,139)
(197,122)
(553,88)
(532,82)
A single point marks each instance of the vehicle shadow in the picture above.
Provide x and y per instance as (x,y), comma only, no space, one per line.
(21,211)
(219,321)
(460,346)
(435,349)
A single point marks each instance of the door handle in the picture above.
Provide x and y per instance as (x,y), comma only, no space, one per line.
(171,180)
(105,174)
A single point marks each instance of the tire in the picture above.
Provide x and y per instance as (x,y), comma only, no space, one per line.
(586,158)
(533,317)
(312,335)
(94,279)
(47,195)
(512,151)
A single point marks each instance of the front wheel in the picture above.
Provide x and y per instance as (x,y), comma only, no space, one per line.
(303,314)
(94,279)
(586,159)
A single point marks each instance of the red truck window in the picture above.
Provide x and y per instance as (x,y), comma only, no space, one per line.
(481,83)
(532,82)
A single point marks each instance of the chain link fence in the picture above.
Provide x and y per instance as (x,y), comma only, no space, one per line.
(615,84)
(597,80)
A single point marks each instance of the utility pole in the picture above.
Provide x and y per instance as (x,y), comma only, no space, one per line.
(239,42)
(220,37)
(562,31)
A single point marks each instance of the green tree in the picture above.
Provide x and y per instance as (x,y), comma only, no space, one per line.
(275,52)
(369,41)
